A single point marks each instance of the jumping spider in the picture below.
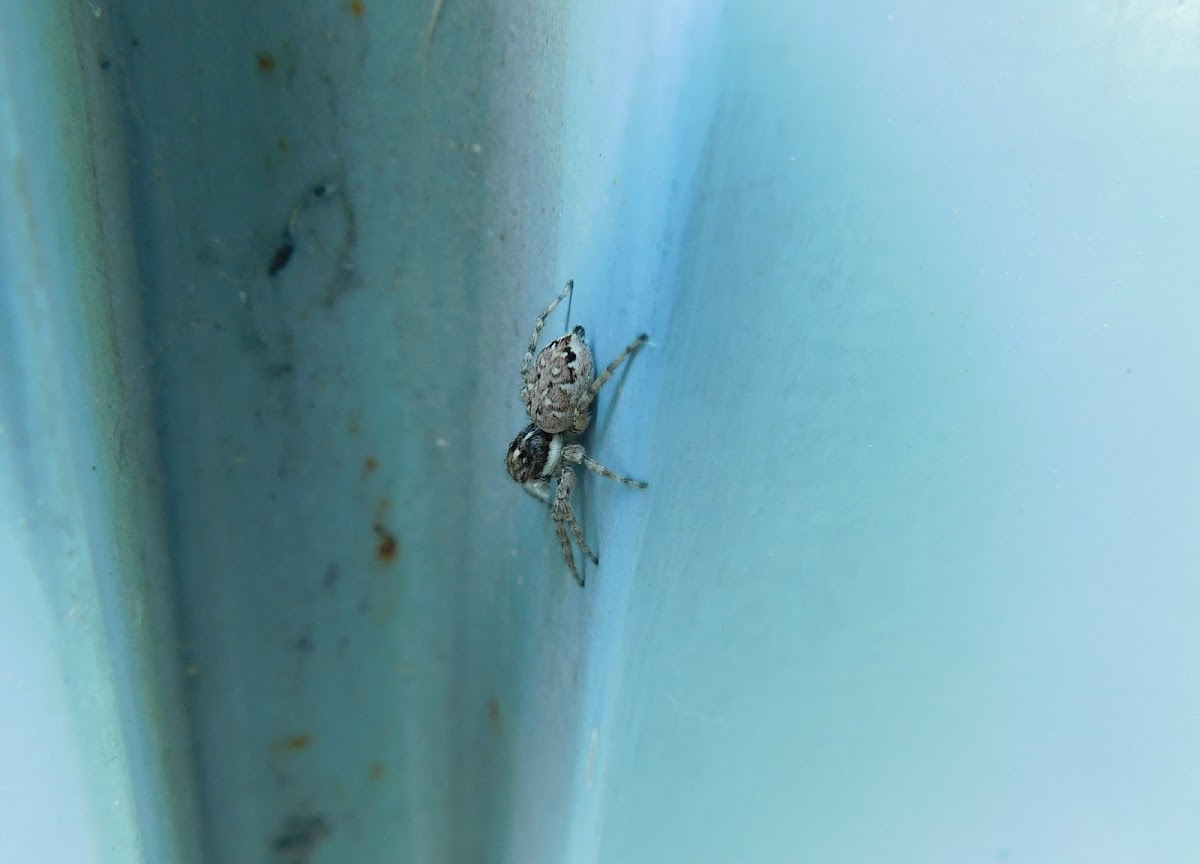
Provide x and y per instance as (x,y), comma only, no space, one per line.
(558,389)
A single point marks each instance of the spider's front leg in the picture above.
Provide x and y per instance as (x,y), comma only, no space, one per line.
(564,516)
(575,453)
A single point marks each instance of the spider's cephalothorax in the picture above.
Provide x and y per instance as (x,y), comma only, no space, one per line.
(533,455)
(558,389)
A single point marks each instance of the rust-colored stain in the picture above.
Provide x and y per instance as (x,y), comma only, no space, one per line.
(265,61)
(494,713)
(377,770)
(370,464)
(297,743)
(358,8)
(389,548)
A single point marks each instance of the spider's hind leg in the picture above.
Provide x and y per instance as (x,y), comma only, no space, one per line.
(538,324)
(603,377)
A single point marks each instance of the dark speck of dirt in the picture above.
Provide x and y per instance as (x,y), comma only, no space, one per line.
(389,548)
(265,61)
(377,770)
(105,63)
(370,464)
(332,575)
(280,257)
(301,834)
(494,714)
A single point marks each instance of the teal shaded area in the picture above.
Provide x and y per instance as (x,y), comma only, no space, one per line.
(95,744)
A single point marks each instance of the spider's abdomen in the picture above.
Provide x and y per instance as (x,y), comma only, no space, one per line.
(562,374)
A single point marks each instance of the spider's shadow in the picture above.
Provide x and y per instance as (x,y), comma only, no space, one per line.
(610,394)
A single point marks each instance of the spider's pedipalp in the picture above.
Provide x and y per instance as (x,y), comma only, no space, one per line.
(538,489)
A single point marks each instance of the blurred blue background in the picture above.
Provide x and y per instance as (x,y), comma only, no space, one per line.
(915,578)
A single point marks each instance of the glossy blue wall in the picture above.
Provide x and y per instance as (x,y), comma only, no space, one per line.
(915,575)
(918,574)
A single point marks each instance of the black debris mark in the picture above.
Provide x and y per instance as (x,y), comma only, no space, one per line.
(281,257)
(287,246)
(301,834)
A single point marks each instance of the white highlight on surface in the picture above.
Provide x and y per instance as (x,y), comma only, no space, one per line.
(591,763)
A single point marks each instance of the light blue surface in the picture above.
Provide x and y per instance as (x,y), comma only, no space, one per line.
(921,582)
(915,578)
